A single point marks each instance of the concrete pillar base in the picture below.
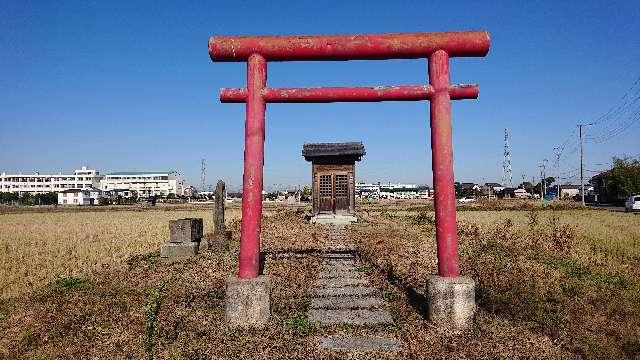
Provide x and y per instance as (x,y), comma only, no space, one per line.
(451,302)
(178,251)
(215,244)
(247,301)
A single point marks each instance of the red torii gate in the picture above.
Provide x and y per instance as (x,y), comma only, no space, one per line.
(437,47)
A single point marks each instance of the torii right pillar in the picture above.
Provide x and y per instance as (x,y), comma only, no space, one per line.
(450,297)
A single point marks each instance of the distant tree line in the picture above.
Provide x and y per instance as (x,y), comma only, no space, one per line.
(50,198)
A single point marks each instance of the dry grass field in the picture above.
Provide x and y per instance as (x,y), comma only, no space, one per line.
(570,275)
(558,282)
(39,247)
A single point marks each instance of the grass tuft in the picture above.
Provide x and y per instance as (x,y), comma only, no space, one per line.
(300,326)
(72,283)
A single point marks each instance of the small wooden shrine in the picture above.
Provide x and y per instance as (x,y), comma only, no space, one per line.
(333,175)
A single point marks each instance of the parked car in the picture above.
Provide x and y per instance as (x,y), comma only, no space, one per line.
(632,204)
(465,200)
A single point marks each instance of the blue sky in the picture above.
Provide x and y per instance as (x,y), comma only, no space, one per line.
(130,86)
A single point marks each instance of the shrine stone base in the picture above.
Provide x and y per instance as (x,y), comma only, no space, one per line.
(451,302)
(247,301)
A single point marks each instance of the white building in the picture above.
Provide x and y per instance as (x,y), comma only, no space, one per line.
(88,196)
(37,183)
(392,191)
(145,184)
(521,194)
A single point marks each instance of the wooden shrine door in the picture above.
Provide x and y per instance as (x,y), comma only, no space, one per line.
(325,199)
(340,192)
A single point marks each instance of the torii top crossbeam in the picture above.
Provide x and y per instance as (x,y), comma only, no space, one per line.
(349,47)
(436,47)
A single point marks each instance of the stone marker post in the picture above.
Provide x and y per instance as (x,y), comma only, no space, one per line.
(219,228)
(220,238)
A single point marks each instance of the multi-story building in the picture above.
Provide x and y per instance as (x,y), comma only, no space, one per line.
(37,183)
(392,190)
(144,183)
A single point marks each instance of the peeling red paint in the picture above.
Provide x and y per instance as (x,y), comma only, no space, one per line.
(253,166)
(349,47)
(349,94)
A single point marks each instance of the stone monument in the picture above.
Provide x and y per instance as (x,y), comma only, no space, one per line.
(184,239)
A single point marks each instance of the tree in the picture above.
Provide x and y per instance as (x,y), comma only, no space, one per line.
(547,181)
(8,198)
(527,186)
(49,198)
(26,199)
(623,180)
(306,194)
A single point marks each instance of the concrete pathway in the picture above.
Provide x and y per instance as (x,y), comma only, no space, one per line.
(343,295)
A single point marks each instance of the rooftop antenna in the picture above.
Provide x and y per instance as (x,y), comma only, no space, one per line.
(507,175)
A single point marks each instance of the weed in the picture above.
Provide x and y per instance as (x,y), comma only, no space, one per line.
(533,218)
(570,267)
(572,289)
(151,310)
(300,325)
(72,283)
(618,281)
(631,348)
(389,296)
(28,338)
(504,231)
(349,328)
(361,269)
(424,217)
(229,335)
(149,258)
(562,235)
(5,308)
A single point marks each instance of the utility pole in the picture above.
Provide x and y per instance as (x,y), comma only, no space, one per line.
(541,166)
(544,174)
(580,126)
(507,175)
(558,152)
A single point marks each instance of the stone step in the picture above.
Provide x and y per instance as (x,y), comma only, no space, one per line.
(358,343)
(341,282)
(345,302)
(339,260)
(339,256)
(340,274)
(346,291)
(340,266)
(353,317)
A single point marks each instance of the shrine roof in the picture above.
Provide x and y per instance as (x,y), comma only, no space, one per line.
(355,148)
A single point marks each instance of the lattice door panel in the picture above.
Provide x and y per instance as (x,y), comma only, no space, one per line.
(342,187)
(325,186)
